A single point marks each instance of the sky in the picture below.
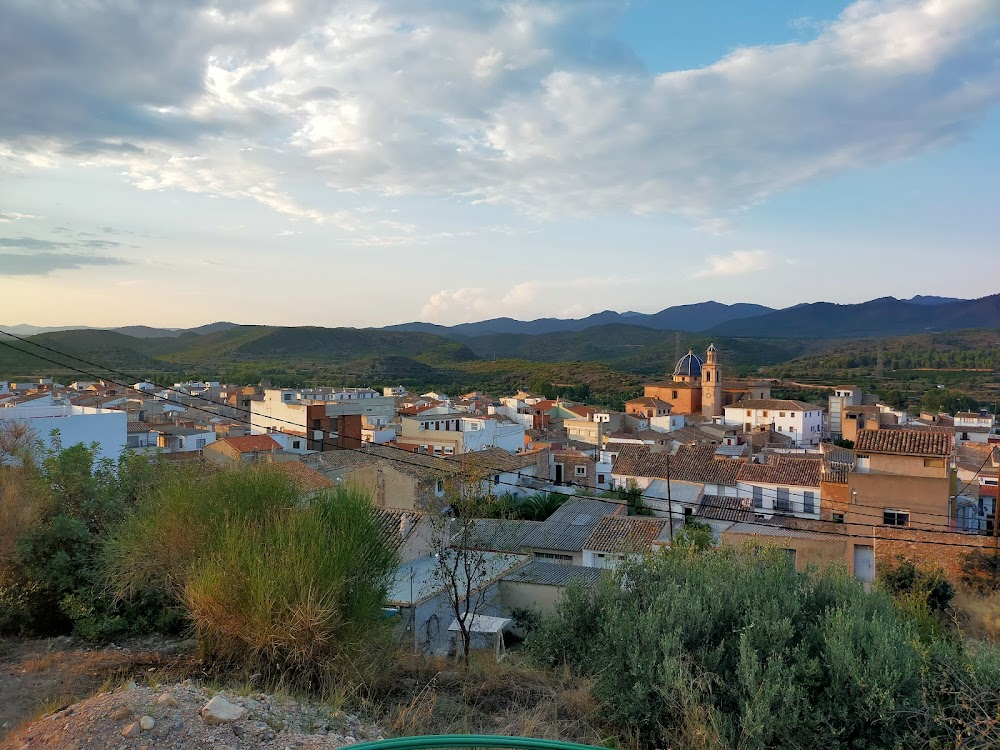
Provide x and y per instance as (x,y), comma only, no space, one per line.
(361,163)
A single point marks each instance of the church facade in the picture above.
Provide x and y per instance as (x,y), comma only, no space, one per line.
(697,386)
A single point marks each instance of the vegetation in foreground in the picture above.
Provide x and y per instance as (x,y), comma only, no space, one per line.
(694,648)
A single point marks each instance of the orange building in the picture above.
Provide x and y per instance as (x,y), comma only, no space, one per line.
(697,387)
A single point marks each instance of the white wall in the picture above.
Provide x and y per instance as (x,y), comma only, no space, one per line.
(668,423)
(769,499)
(805,427)
(76,424)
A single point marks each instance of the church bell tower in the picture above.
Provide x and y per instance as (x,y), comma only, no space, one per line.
(711,384)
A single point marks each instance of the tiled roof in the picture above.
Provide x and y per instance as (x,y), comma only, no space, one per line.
(249,443)
(492,460)
(836,473)
(795,472)
(905,442)
(393,523)
(862,409)
(691,463)
(732,451)
(624,534)
(543,573)
(651,402)
(765,529)
(132,427)
(976,456)
(718,508)
(570,525)
(305,478)
(775,404)
(501,534)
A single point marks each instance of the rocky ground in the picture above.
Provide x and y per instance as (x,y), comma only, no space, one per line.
(146,693)
(188,715)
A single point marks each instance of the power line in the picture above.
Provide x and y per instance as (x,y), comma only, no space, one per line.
(495,470)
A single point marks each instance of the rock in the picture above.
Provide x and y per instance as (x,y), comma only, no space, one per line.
(220,711)
(132,730)
(147,723)
(166,699)
(129,686)
(122,712)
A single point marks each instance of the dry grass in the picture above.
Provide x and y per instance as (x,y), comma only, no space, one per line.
(19,509)
(978,617)
(427,695)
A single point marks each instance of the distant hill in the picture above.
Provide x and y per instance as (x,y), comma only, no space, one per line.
(925,299)
(880,317)
(695,317)
(24,329)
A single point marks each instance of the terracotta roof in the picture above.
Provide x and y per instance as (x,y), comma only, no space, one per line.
(905,442)
(691,463)
(651,401)
(795,472)
(718,508)
(987,490)
(775,404)
(624,534)
(975,456)
(396,525)
(836,474)
(305,478)
(249,443)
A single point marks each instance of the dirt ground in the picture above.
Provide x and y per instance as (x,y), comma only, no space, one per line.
(39,676)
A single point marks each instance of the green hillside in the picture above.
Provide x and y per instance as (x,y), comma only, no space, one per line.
(636,349)
(114,351)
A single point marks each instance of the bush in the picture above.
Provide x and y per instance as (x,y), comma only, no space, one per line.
(981,571)
(903,578)
(734,648)
(289,589)
(56,516)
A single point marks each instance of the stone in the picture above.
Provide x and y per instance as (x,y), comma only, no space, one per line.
(166,699)
(132,730)
(122,712)
(147,723)
(129,686)
(220,711)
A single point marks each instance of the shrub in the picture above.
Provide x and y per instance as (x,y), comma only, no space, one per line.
(734,648)
(57,513)
(981,571)
(290,589)
(902,577)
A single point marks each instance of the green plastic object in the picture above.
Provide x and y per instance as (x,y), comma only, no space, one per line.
(431,741)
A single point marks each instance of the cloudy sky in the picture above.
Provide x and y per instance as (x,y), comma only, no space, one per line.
(355,162)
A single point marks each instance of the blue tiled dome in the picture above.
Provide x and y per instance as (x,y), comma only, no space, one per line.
(689,364)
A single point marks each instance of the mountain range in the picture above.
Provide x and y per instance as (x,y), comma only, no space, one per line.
(886,316)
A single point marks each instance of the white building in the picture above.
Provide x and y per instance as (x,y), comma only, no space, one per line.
(800,421)
(667,423)
(395,391)
(321,413)
(65,425)
(782,486)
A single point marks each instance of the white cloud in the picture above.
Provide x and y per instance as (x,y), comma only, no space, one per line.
(533,106)
(6,217)
(737,262)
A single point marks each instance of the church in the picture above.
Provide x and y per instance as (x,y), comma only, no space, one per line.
(698,387)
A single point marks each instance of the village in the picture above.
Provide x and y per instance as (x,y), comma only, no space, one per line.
(849,482)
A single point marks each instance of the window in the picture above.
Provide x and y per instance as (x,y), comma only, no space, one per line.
(439,487)
(781,413)
(601,478)
(808,502)
(555,557)
(748,413)
(838,517)
(764,414)
(791,414)
(783,502)
(496,479)
(896,517)
(200,443)
(688,512)
(296,444)
(758,497)
(449,450)
(708,376)
(580,471)
(675,394)
(286,396)
(934,463)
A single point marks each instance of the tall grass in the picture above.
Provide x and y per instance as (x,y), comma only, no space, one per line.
(271,584)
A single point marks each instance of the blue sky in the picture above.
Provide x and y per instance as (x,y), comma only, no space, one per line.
(356,162)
